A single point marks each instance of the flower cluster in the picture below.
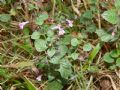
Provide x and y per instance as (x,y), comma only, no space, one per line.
(58,27)
(61,30)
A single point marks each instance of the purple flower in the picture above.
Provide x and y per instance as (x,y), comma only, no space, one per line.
(70,23)
(21,25)
(61,30)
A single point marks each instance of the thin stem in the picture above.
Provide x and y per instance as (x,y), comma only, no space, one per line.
(26,9)
(75,9)
(53,9)
(85,4)
(88,86)
(99,19)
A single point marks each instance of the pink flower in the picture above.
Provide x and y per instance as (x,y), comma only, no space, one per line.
(61,30)
(21,25)
(70,23)
(57,27)
(113,33)
(39,78)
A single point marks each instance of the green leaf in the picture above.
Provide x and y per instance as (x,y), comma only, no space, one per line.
(42,62)
(13,12)
(26,47)
(3,73)
(41,18)
(115,53)
(104,36)
(51,77)
(30,85)
(39,21)
(117,4)
(50,33)
(66,40)
(88,14)
(63,50)
(74,56)
(91,28)
(55,60)
(74,42)
(87,47)
(107,58)
(32,6)
(51,52)
(5,17)
(50,39)
(113,67)
(26,31)
(93,69)
(110,16)
(65,72)
(100,32)
(40,45)
(65,69)
(94,53)
(118,62)
(35,35)
(54,85)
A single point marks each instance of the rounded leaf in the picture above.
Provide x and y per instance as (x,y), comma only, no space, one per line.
(39,21)
(87,47)
(50,52)
(74,42)
(54,85)
(115,53)
(107,58)
(5,17)
(50,33)
(35,35)
(63,50)
(110,16)
(74,56)
(40,45)
(118,62)
(41,18)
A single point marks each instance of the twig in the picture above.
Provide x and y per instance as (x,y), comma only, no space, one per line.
(85,4)
(15,39)
(75,9)
(117,73)
(113,84)
(78,3)
(53,9)
(99,19)
(43,84)
(26,9)
(69,88)
(91,79)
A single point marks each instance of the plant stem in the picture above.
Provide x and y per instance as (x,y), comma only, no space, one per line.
(99,20)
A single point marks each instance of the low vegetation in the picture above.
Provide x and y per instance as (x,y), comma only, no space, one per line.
(59,45)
